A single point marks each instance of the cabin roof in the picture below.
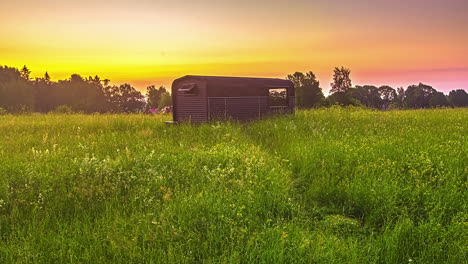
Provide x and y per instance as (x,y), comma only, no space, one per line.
(223,81)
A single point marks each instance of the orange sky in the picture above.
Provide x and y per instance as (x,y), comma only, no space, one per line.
(146,42)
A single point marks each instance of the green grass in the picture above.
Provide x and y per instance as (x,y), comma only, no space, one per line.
(323,186)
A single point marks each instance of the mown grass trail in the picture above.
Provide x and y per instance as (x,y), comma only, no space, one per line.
(323,186)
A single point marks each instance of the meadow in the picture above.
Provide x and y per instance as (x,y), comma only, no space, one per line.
(339,185)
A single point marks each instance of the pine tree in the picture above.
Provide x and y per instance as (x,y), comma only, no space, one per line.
(46,76)
(25,72)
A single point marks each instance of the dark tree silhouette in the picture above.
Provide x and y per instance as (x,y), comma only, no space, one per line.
(131,100)
(418,96)
(388,95)
(81,94)
(400,97)
(112,95)
(341,80)
(307,89)
(47,77)
(343,99)
(368,95)
(458,98)
(154,96)
(438,100)
(166,100)
(44,94)
(16,92)
(25,72)
(124,98)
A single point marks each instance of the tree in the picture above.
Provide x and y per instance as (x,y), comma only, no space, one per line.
(154,96)
(44,94)
(16,92)
(418,96)
(368,95)
(388,95)
(25,72)
(124,98)
(112,95)
(400,97)
(47,77)
(166,100)
(81,94)
(307,89)
(94,80)
(131,100)
(300,79)
(458,98)
(343,98)
(438,100)
(341,80)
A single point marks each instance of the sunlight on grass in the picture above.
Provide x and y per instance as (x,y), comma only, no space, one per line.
(341,185)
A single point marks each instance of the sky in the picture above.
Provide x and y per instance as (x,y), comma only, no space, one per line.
(144,42)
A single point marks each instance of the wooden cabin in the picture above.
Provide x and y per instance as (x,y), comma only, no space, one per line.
(198,99)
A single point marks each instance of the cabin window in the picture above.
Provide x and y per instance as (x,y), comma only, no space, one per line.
(278,98)
(188,89)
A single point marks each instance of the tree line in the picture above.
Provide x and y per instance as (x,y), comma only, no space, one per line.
(309,94)
(19,93)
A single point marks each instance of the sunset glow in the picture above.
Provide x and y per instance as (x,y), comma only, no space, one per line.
(145,42)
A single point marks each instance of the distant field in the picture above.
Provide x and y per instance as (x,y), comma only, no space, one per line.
(323,186)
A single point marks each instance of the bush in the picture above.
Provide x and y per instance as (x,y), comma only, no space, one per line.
(62,109)
(3,111)
(343,99)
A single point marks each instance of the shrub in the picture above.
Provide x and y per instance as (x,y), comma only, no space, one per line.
(63,109)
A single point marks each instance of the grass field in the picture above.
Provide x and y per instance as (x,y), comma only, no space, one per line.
(325,186)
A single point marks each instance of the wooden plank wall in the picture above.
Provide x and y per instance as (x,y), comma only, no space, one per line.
(237,108)
(192,108)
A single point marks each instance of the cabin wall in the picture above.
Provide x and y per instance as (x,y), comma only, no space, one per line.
(227,98)
(237,108)
(243,103)
(292,103)
(190,108)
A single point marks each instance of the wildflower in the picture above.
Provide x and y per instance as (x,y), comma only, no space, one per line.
(167,192)
(153,111)
(284,235)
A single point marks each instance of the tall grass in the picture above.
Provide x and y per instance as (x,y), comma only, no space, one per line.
(337,185)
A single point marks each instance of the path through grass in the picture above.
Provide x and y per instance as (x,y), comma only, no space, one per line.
(324,186)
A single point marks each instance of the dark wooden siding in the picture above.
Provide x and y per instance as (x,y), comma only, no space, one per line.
(190,108)
(292,104)
(228,98)
(237,108)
